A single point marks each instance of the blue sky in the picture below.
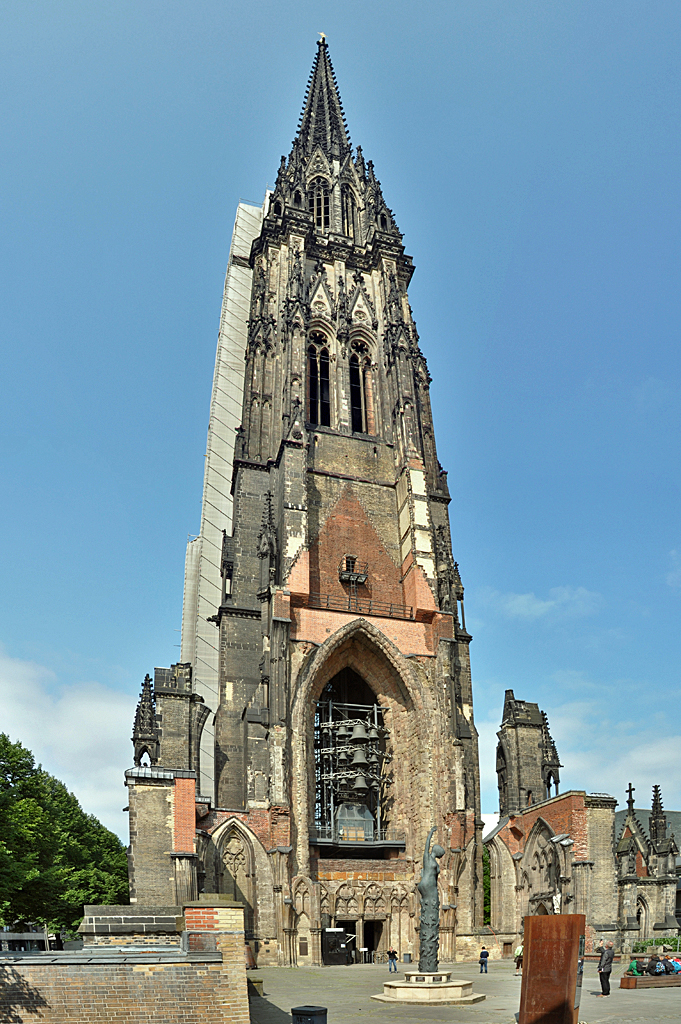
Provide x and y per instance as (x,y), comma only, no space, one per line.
(531,154)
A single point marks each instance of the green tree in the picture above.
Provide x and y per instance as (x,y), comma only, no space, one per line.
(53,856)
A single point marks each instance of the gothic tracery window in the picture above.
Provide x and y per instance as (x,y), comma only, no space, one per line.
(362,396)
(319,202)
(318,387)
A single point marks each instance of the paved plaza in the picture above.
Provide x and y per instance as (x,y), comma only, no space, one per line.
(346,992)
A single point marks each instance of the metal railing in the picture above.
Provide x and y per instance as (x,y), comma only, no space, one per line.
(361,606)
(355,834)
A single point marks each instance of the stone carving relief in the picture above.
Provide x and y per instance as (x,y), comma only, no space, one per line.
(346,902)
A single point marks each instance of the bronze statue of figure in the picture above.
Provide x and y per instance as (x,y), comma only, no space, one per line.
(429,936)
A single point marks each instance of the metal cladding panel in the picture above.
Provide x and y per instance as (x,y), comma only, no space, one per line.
(552,969)
(202,586)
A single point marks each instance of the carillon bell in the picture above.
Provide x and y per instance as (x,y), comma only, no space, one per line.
(343,733)
(359,759)
(360,785)
(373,733)
(359,734)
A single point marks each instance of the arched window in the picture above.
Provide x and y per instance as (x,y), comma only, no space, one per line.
(349,211)
(318,201)
(356,397)
(368,382)
(318,390)
(361,396)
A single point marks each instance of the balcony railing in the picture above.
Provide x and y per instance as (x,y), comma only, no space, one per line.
(360,606)
(356,834)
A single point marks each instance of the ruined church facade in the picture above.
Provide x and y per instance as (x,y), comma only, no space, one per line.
(572,853)
(320,721)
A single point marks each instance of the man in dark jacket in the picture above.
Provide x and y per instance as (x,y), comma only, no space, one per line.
(604,968)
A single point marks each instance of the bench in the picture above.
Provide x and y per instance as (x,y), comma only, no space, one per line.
(651,981)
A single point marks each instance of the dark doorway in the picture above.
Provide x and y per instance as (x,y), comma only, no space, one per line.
(372,937)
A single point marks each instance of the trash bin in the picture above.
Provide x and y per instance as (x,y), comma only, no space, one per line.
(406,959)
(309,1014)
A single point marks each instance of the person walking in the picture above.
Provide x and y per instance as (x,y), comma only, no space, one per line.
(392,960)
(519,959)
(484,956)
(604,969)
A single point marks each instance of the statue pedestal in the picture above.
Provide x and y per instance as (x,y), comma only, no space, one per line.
(420,987)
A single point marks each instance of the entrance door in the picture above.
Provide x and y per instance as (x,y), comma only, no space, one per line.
(372,937)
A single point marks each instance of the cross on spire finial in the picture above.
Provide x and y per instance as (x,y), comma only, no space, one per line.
(322,37)
(630,802)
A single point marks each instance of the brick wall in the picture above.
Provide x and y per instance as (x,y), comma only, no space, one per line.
(271,825)
(565,813)
(363,870)
(126,993)
(184,815)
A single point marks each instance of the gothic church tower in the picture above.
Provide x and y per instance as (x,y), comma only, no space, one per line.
(340,721)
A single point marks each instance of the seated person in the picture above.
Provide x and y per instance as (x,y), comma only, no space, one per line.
(636,968)
(668,966)
(652,965)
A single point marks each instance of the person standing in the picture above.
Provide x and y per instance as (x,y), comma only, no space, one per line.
(519,959)
(392,960)
(484,956)
(604,969)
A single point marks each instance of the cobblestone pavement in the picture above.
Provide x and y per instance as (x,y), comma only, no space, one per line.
(346,992)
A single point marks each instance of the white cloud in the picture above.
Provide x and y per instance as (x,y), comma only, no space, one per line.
(674,574)
(491,821)
(563,602)
(603,753)
(79,733)
(487,750)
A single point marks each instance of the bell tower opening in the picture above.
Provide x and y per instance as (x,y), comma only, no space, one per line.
(351,760)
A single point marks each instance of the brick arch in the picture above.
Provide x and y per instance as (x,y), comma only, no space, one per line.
(410,717)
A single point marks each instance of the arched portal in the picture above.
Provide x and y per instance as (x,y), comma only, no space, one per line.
(642,917)
(236,872)
(392,685)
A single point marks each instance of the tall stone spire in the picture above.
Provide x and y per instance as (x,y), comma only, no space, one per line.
(335,580)
(144,730)
(658,819)
(322,122)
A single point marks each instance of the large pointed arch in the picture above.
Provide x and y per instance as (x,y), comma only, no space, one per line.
(396,683)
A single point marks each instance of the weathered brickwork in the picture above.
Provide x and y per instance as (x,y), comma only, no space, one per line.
(110,994)
(184,815)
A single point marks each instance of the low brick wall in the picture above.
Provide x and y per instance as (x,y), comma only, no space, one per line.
(136,925)
(124,988)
